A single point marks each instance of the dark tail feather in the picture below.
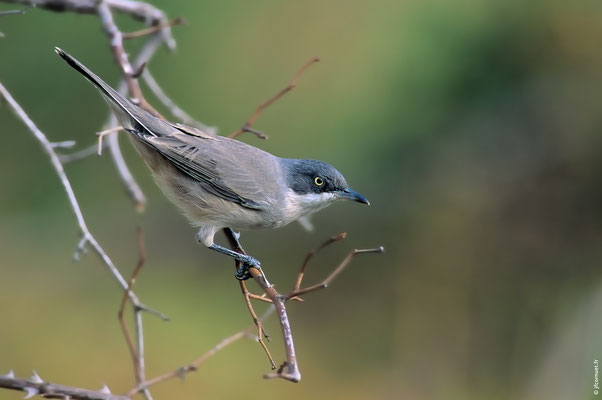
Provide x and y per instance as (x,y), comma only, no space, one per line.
(129,115)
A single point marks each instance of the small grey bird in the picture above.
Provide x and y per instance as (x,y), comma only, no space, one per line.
(219,182)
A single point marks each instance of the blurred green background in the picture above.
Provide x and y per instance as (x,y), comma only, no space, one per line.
(472,126)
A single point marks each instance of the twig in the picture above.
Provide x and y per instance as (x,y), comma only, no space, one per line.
(66,144)
(102,134)
(36,386)
(312,253)
(121,57)
(80,154)
(261,333)
(173,107)
(194,365)
(292,373)
(337,271)
(120,314)
(247,127)
(154,28)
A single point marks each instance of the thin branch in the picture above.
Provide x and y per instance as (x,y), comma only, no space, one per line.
(80,154)
(292,370)
(120,314)
(141,11)
(36,386)
(65,144)
(337,271)
(312,253)
(154,28)
(194,365)
(104,133)
(121,57)
(247,127)
(173,107)
(261,333)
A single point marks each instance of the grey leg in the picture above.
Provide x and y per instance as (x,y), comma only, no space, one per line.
(247,261)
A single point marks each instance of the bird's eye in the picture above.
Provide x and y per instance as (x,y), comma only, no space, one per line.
(318,181)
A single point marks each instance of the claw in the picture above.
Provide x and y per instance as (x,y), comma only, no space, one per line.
(243,273)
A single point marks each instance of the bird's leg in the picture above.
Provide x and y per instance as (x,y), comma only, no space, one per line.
(247,261)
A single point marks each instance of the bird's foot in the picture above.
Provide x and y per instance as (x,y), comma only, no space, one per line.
(248,262)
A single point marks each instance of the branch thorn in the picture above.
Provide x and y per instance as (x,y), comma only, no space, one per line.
(35,378)
(30,392)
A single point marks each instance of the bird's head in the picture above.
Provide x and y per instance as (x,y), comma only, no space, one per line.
(315,184)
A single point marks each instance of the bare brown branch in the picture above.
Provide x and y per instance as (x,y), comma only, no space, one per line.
(120,314)
(121,57)
(292,370)
(247,127)
(337,271)
(261,333)
(194,365)
(312,253)
(154,28)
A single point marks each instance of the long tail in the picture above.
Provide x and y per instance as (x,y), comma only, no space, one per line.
(130,116)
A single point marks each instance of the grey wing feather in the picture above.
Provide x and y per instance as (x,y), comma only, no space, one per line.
(212,164)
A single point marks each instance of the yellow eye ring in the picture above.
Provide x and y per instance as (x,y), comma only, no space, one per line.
(318,181)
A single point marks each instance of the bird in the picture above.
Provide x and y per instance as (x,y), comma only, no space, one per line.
(218,182)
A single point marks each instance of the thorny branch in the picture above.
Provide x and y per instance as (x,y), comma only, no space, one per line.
(248,126)
(37,386)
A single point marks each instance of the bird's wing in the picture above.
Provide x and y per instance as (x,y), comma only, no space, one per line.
(190,130)
(215,165)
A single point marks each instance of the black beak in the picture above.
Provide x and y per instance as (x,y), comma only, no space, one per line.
(349,194)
